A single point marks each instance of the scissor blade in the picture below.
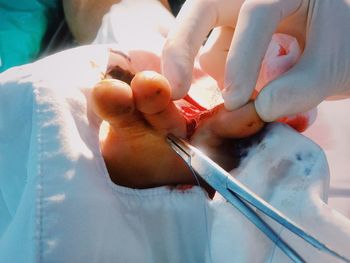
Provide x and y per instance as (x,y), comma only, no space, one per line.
(240,190)
(253,217)
(180,147)
(197,162)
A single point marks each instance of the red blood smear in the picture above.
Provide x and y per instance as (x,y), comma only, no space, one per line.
(299,122)
(192,112)
(282,51)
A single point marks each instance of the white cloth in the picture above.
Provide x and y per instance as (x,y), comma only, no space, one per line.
(331,131)
(58,204)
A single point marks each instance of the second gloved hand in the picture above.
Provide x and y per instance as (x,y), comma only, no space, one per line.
(243,32)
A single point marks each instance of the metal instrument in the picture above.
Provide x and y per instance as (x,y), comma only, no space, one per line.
(244,199)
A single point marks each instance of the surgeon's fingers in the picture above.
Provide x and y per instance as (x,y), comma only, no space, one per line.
(299,90)
(152,97)
(257,21)
(194,22)
(112,100)
(214,53)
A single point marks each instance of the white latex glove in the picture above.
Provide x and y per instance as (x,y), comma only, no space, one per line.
(322,27)
(135,24)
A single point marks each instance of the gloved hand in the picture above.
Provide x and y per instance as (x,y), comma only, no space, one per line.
(234,57)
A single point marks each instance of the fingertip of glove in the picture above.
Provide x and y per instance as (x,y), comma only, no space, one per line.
(179,81)
(233,100)
(264,109)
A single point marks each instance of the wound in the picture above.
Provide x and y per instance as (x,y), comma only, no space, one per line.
(192,113)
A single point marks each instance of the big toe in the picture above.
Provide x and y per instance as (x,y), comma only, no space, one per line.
(112,100)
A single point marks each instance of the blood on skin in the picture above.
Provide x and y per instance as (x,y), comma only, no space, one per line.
(192,114)
(299,122)
(282,51)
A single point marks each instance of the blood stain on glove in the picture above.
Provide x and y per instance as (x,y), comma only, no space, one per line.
(282,54)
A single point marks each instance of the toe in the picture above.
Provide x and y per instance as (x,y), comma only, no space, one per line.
(112,100)
(239,123)
(152,97)
(170,120)
(151,92)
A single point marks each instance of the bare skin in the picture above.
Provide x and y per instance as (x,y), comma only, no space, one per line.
(140,116)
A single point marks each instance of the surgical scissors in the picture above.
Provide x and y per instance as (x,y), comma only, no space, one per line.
(244,199)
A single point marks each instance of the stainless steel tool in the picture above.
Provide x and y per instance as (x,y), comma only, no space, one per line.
(244,199)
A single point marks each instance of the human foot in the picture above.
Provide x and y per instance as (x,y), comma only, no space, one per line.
(141,115)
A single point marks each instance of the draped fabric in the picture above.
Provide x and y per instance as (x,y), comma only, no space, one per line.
(58,204)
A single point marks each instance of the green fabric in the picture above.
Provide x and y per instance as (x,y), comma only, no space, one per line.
(23,24)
